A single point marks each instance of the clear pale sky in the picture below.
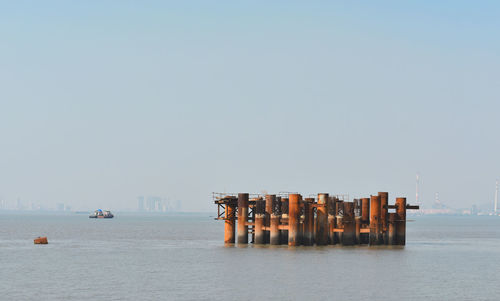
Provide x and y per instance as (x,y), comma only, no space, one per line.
(103,101)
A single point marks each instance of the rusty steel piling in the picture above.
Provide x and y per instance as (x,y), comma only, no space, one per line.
(322,220)
(308,222)
(401,221)
(349,235)
(242,218)
(284,221)
(331,220)
(260,217)
(357,221)
(276,219)
(391,236)
(270,198)
(365,219)
(339,225)
(384,211)
(374,220)
(294,201)
(229,223)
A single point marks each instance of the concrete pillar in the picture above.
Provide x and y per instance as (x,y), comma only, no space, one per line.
(294,201)
(322,220)
(242,218)
(401,221)
(230,223)
(374,219)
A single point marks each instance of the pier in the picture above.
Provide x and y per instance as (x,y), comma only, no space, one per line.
(324,219)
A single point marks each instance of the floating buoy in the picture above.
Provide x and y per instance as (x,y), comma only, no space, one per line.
(41,241)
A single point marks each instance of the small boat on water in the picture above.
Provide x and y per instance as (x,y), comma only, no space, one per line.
(101,214)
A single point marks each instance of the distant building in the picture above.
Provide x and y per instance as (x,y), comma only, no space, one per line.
(474,210)
(153,204)
(19,204)
(140,203)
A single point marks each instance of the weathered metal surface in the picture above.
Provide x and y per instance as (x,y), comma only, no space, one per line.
(270,198)
(339,209)
(357,220)
(322,220)
(384,210)
(331,220)
(284,220)
(401,221)
(230,223)
(349,234)
(242,218)
(293,219)
(275,221)
(269,218)
(40,240)
(374,219)
(260,236)
(365,210)
(308,222)
(391,235)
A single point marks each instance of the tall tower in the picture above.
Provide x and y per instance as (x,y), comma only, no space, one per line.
(496,197)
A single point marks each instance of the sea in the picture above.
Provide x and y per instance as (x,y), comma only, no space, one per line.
(183,257)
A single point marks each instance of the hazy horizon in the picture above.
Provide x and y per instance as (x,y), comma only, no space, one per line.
(102,102)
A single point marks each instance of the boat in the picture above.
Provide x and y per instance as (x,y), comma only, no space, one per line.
(99,213)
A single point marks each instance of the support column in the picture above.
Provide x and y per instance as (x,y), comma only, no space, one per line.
(308,222)
(331,220)
(365,219)
(270,198)
(322,220)
(284,220)
(242,218)
(260,237)
(275,221)
(401,221)
(349,236)
(384,210)
(357,220)
(339,220)
(374,219)
(392,229)
(229,223)
(293,219)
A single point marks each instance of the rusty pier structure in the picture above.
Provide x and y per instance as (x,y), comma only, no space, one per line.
(322,219)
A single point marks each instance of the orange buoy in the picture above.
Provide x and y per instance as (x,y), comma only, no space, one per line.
(41,241)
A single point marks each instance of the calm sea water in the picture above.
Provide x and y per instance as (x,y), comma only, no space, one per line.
(153,257)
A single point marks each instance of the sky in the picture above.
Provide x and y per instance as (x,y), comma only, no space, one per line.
(104,101)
